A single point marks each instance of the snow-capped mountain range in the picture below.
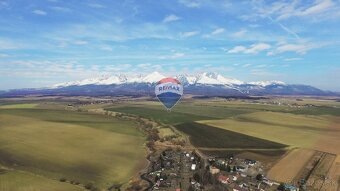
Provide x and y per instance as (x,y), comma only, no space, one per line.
(207,78)
(203,84)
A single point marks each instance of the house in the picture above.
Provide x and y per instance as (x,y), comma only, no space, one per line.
(223,179)
(250,162)
(234,178)
(288,187)
(241,168)
(214,170)
(193,167)
(238,188)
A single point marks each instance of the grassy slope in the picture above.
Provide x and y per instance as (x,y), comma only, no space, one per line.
(20,181)
(84,119)
(77,146)
(19,106)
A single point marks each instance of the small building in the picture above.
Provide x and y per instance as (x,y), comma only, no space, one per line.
(223,179)
(241,168)
(289,187)
(193,167)
(214,170)
(250,162)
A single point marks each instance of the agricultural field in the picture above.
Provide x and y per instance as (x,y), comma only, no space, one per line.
(19,106)
(318,132)
(204,136)
(289,167)
(80,147)
(23,181)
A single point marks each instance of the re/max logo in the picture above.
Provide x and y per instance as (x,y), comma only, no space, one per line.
(163,88)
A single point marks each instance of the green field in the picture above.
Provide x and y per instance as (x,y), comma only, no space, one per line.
(317,132)
(77,146)
(19,106)
(186,112)
(21,181)
(207,136)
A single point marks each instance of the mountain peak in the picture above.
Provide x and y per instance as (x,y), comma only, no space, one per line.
(267,83)
(205,78)
(153,77)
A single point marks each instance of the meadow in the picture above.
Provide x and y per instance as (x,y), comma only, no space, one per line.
(22,181)
(80,147)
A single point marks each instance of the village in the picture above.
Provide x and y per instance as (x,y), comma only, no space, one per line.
(179,170)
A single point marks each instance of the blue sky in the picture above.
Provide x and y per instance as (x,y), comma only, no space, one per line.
(43,42)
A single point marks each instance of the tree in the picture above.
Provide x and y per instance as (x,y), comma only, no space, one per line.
(228,168)
(89,186)
(191,188)
(197,177)
(259,177)
(281,187)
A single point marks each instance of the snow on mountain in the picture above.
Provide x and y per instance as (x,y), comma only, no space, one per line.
(103,80)
(217,79)
(153,77)
(206,78)
(267,83)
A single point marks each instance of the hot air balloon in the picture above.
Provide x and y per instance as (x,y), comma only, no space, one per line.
(169,91)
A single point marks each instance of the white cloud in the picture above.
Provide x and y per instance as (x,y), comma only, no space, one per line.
(96,5)
(270,53)
(237,49)
(253,49)
(281,10)
(39,12)
(8,44)
(171,18)
(106,48)
(61,9)
(264,73)
(173,56)
(189,34)
(218,31)
(298,48)
(4,55)
(246,65)
(318,7)
(80,42)
(190,3)
(239,33)
(145,65)
(261,66)
(292,59)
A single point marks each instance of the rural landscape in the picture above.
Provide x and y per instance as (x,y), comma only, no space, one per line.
(170,95)
(77,143)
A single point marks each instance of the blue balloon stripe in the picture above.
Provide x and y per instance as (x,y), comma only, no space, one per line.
(169,99)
